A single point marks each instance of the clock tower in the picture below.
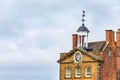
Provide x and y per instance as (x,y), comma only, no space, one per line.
(98,60)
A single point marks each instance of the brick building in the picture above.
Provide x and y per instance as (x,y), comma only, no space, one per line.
(91,61)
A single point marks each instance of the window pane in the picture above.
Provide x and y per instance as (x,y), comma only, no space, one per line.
(68,72)
(88,72)
(88,69)
(77,72)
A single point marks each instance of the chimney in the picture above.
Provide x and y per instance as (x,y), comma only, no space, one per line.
(118,37)
(75,39)
(110,37)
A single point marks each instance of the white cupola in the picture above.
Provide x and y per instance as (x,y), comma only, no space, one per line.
(82,33)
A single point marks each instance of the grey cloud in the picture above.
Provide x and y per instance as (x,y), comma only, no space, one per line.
(34,32)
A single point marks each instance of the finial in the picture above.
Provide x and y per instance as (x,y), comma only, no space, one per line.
(83,15)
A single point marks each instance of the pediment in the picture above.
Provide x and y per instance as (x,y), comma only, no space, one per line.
(85,56)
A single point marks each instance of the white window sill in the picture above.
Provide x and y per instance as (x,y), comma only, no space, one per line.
(68,77)
(77,76)
(88,76)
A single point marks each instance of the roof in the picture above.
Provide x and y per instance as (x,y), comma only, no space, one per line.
(97,45)
(83,29)
(87,53)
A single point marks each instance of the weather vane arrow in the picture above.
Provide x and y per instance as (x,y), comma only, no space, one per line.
(83,15)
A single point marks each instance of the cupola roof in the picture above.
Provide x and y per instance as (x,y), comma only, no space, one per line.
(83,28)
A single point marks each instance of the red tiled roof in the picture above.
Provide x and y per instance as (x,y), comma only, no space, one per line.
(97,45)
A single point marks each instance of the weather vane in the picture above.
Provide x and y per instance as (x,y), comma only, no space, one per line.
(83,15)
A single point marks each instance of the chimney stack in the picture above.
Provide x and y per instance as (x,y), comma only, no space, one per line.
(110,37)
(118,37)
(75,40)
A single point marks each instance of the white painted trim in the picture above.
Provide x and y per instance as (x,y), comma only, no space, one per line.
(68,73)
(81,40)
(87,72)
(106,46)
(75,55)
(78,42)
(76,73)
(82,33)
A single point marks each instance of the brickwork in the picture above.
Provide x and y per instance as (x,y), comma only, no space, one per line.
(118,37)
(75,38)
(118,63)
(93,64)
(106,70)
(118,54)
(110,37)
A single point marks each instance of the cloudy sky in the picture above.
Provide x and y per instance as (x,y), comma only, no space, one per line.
(34,32)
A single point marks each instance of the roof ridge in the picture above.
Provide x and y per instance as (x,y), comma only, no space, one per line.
(96,41)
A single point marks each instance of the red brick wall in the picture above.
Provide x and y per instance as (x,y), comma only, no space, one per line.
(118,62)
(108,67)
(110,37)
(118,49)
(118,37)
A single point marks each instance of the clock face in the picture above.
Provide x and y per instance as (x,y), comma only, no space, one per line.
(77,57)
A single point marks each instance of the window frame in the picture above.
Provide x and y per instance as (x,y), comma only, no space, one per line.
(88,72)
(68,72)
(75,55)
(77,72)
